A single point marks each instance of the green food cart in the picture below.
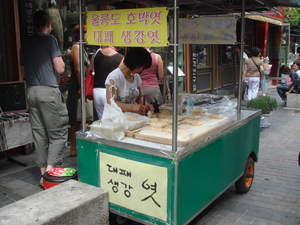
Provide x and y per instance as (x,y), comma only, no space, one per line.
(163,180)
(151,184)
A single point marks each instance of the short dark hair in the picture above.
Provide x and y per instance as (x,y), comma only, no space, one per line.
(77,31)
(256,51)
(137,57)
(285,69)
(297,63)
(41,18)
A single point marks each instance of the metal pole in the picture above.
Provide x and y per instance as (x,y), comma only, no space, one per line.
(175,77)
(81,42)
(241,56)
(287,48)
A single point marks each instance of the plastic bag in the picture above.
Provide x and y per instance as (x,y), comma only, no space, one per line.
(226,107)
(135,120)
(113,113)
(62,172)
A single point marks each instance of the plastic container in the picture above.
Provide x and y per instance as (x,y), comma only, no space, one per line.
(112,131)
(108,130)
(51,181)
(96,127)
(190,105)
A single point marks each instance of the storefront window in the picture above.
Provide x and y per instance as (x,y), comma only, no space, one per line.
(202,52)
(226,55)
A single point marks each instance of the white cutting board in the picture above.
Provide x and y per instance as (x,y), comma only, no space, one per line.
(191,134)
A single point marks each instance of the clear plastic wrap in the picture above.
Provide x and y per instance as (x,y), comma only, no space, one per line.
(213,103)
(135,121)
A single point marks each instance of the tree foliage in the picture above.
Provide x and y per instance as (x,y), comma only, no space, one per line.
(292,16)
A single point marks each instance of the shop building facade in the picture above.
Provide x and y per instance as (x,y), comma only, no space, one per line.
(209,68)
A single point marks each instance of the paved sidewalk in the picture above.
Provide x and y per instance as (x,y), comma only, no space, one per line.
(274,198)
(17,182)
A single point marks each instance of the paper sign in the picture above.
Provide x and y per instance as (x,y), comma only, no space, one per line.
(208,30)
(137,186)
(128,27)
(180,72)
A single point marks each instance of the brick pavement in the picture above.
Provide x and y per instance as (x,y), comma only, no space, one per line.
(17,182)
(274,198)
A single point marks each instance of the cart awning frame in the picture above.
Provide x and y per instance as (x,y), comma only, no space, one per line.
(186,8)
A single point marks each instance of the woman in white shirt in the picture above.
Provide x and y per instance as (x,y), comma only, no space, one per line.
(124,83)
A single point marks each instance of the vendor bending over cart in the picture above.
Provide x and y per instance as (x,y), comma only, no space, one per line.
(124,83)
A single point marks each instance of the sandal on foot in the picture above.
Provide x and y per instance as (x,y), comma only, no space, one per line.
(41,183)
(73,152)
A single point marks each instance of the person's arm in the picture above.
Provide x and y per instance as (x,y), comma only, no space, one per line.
(291,89)
(58,64)
(245,71)
(160,72)
(261,67)
(140,98)
(294,80)
(160,68)
(76,63)
(112,91)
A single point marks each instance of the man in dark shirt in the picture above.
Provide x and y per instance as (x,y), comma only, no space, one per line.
(40,62)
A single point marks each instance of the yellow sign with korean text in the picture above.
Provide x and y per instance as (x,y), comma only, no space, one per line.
(207,30)
(128,27)
(137,186)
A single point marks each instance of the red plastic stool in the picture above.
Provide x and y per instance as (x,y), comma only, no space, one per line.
(51,181)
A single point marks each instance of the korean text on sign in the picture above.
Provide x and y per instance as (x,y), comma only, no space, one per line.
(211,30)
(128,27)
(135,185)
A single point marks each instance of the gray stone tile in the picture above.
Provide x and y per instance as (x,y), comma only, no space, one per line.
(7,201)
(15,196)
(248,218)
(258,215)
(6,179)
(258,221)
(282,220)
(5,190)
(242,222)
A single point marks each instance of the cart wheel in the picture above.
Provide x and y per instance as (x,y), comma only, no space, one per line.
(243,184)
(117,220)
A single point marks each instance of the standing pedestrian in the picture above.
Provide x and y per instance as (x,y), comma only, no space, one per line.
(74,85)
(150,77)
(252,74)
(237,50)
(263,82)
(41,62)
(106,60)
